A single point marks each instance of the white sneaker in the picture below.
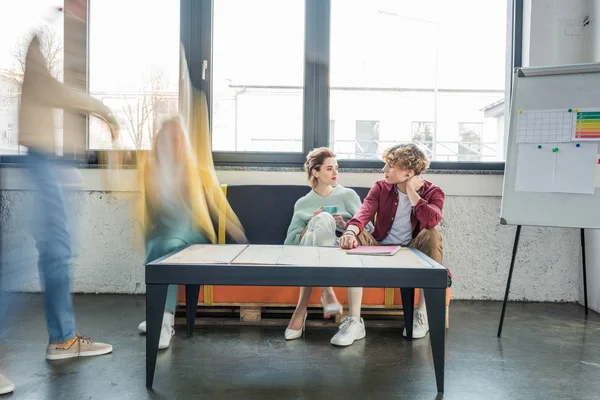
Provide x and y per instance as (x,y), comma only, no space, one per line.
(420,325)
(166,333)
(6,386)
(167,317)
(351,329)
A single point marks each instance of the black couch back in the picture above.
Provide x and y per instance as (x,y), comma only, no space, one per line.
(266,211)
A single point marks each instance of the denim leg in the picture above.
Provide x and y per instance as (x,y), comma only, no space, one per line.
(54,247)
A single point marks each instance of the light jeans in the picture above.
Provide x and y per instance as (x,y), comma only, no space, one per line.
(320,231)
(53,243)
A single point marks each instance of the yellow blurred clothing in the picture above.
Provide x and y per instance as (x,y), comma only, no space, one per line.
(177,178)
(40,95)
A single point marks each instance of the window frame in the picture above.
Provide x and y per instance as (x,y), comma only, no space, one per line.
(196,22)
(197,42)
(91,158)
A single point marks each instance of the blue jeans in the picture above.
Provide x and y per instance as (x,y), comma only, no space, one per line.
(54,247)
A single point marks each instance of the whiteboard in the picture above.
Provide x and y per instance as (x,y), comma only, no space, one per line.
(560,87)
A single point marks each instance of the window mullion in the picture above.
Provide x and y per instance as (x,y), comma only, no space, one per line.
(309,92)
(322,36)
(316,75)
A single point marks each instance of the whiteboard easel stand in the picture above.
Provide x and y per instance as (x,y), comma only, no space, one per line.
(512,267)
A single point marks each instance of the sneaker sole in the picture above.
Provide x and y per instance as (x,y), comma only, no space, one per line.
(350,344)
(416,337)
(7,389)
(75,355)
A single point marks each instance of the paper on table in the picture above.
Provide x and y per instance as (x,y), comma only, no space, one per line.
(575,168)
(206,254)
(336,257)
(299,255)
(374,250)
(535,168)
(259,254)
(405,258)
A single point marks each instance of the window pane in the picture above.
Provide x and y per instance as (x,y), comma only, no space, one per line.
(133,67)
(419,69)
(469,137)
(258,75)
(367,138)
(422,134)
(18,20)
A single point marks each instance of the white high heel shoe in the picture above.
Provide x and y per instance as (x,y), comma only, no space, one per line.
(291,334)
(332,308)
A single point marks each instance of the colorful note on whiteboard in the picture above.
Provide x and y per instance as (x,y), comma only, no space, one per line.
(545,126)
(587,124)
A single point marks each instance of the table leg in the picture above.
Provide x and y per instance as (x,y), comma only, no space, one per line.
(156,295)
(408,303)
(191,306)
(436,308)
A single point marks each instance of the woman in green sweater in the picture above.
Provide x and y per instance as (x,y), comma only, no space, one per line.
(319,219)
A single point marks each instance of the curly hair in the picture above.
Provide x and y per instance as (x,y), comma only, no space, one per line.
(408,157)
(314,161)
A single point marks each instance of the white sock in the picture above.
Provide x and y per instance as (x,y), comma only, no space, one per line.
(168,318)
(354,301)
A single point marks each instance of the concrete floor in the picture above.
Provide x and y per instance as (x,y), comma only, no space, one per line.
(549,351)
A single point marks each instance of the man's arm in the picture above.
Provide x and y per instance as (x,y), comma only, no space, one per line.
(57,95)
(429,213)
(367,210)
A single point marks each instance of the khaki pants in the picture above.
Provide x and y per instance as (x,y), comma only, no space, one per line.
(429,242)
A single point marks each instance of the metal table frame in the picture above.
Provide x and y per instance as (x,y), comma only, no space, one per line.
(433,280)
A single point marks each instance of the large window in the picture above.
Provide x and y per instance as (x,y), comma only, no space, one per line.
(436,60)
(258,75)
(385,71)
(18,21)
(284,77)
(133,67)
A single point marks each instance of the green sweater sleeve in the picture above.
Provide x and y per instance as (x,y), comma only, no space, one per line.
(296,226)
(346,199)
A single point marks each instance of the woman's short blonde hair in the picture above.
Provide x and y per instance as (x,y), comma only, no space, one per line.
(407,157)
(314,161)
